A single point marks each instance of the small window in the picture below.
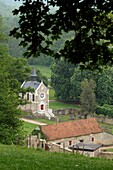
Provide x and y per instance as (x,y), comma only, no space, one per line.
(81,140)
(33,98)
(27,96)
(70,142)
(22,95)
(93,139)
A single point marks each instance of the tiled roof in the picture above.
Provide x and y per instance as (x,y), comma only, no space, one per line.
(32,84)
(71,129)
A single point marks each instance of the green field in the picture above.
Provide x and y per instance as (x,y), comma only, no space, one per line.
(28,127)
(45,71)
(108,128)
(21,158)
(55,105)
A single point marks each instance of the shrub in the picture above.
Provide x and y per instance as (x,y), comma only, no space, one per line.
(106,110)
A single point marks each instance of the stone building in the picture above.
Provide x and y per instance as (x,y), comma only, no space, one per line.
(39,98)
(70,133)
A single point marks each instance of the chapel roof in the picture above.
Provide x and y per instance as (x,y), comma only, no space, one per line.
(32,84)
(71,129)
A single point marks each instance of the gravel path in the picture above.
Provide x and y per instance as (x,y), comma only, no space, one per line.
(33,121)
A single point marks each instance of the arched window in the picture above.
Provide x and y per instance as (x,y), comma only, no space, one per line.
(93,139)
(70,142)
(33,97)
(27,96)
(42,106)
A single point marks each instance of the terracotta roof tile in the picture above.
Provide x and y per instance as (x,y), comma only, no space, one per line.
(71,129)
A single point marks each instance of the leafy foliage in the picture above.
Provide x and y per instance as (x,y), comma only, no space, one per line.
(12,71)
(106,110)
(74,76)
(88,98)
(90,21)
(60,79)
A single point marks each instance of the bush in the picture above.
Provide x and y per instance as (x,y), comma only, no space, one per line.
(106,110)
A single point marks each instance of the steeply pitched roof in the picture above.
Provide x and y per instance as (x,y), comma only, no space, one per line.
(33,75)
(71,129)
(32,84)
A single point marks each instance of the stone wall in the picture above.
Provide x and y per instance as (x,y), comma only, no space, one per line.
(57,148)
(107,155)
(66,111)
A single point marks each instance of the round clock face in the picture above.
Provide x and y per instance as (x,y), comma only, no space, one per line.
(42,95)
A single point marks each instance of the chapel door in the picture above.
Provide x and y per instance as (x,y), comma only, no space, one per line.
(42,107)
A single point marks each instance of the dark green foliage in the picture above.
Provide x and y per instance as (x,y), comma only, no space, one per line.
(41,60)
(106,110)
(11,72)
(37,131)
(104,84)
(90,21)
(66,81)
(87,97)
(60,79)
(9,123)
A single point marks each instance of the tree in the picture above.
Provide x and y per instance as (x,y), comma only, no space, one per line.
(76,79)
(91,22)
(60,79)
(10,125)
(88,98)
(104,87)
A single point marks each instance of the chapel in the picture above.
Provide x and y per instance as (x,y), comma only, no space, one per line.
(39,98)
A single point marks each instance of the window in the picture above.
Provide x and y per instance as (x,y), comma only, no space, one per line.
(42,107)
(93,139)
(33,98)
(70,142)
(42,95)
(59,143)
(27,96)
(22,95)
(81,140)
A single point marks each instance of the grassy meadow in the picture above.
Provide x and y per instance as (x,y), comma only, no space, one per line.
(21,158)
(45,71)
(28,127)
(55,105)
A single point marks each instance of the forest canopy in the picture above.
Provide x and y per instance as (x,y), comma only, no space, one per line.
(90,21)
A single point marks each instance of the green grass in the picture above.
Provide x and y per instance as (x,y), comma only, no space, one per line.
(29,127)
(21,158)
(64,118)
(55,105)
(47,121)
(45,71)
(107,127)
(109,150)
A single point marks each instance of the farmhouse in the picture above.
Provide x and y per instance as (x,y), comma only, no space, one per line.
(87,132)
(39,98)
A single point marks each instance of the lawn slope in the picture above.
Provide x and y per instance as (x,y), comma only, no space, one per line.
(20,158)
